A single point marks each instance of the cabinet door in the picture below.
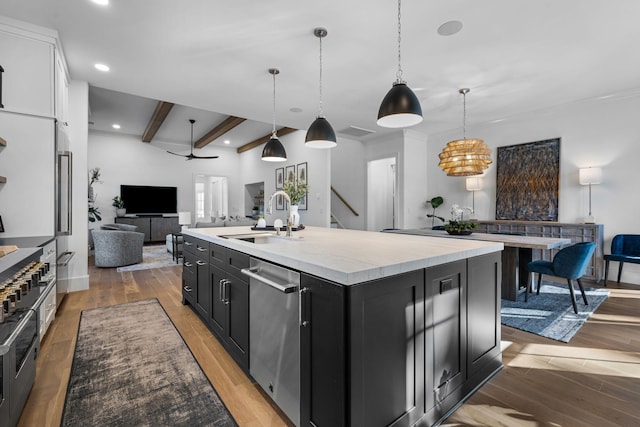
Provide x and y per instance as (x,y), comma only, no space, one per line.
(161,226)
(218,308)
(203,293)
(61,91)
(322,354)
(445,311)
(387,351)
(143,224)
(483,311)
(237,338)
(27,81)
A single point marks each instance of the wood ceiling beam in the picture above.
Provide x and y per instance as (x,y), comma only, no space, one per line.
(224,127)
(162,110)
(258,142)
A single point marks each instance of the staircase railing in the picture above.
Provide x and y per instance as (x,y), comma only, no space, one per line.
(344,201)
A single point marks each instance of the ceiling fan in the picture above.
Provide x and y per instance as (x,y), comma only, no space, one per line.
(191,156)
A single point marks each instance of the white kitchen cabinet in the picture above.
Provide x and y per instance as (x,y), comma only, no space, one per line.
(61,90)
(28,78)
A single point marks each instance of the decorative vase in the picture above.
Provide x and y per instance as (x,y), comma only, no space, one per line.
(261,223)
(294,216)
(120,212)
(91,194)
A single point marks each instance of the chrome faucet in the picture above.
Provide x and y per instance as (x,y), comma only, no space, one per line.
(288,199)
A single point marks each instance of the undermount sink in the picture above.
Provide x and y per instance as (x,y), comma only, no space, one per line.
(262,238)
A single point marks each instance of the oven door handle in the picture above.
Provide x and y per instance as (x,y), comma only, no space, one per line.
(6,345)
(67,255)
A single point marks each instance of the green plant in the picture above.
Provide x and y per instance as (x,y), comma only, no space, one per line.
(460,227)
(118,203)
(435,203)
(94,214)
(94,176)
(296,192)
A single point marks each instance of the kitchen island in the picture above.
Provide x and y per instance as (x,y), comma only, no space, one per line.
(393,329)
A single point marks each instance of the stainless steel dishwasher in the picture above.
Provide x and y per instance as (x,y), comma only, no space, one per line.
(274,333)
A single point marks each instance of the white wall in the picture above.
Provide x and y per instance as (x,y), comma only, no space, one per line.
(349,177)
(124,159)
(602,133)
(254,169)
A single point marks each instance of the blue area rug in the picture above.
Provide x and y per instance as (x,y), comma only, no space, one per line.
(550,314)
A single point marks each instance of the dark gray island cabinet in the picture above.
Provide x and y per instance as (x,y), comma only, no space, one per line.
(400,350)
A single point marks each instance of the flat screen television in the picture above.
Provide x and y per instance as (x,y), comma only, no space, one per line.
(149,200)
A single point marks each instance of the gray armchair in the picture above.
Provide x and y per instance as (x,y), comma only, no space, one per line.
(116,248)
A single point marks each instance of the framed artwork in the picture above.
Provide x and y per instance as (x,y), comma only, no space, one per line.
(290,173)
(302,176)
(527,181)
(1,226)
(301,172)
(279,202)
(279,178)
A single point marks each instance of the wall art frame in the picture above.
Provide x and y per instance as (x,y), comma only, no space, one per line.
(302,175)
(279,178)
(528,181)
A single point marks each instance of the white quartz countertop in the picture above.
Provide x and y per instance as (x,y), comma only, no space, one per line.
(349,257)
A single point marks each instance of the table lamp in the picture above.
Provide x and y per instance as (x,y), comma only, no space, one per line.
(184,219)
(590,176)
(473,185)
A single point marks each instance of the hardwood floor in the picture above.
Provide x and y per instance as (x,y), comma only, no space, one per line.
(592,381)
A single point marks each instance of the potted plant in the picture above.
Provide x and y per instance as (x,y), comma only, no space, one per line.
(296,193)
(435,203)
(457,224)
(118,203)
(94,214)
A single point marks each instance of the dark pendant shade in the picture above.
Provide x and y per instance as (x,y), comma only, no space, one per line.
(274,151)
(400,108)
(320,134)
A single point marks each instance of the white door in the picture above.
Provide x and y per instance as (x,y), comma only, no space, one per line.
(381,194)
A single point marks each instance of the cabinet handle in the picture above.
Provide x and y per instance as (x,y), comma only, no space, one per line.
(220,289)
(201,249)
(201,263)
(1,71)
(187,288)
(303,323)
(188,264)
(224,292)
(188,243)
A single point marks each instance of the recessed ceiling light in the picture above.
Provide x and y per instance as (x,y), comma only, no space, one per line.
(115,126)
(295,109)
(226,141)
(101,2)
(102,67)
(450,28)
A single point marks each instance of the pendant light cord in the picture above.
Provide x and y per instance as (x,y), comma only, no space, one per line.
(320,107)
(273,132)
(464,115)
(399,73)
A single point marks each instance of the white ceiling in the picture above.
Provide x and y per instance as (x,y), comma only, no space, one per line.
(515,55)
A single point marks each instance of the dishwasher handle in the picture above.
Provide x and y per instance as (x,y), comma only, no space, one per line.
(286,288)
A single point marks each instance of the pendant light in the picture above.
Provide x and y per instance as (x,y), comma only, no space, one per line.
(400,107)
(465,157)
(274,150)
(320,134)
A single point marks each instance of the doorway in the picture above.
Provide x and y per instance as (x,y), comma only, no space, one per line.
(211,197)
(381,194)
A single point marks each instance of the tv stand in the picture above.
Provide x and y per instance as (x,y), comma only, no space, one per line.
(155,228)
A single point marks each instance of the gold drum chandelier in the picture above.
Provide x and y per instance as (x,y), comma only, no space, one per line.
(465,157)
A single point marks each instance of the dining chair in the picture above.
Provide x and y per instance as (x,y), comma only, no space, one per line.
(569,263)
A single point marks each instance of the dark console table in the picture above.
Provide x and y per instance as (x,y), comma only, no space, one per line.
(576,232)
(155,228)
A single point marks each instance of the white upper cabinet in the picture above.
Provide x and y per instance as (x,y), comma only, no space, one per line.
(61,90)
(28,78)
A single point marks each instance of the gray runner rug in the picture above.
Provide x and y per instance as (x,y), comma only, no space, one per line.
(131,367)
(550,314)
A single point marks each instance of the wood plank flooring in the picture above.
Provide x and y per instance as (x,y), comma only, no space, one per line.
(592,381)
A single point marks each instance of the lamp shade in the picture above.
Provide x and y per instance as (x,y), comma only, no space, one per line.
(184,218)
(274,151)
(399,108)
(590,176)
(473,184)
(320,134)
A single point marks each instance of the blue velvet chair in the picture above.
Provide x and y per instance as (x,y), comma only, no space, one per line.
(569,263)
(624,248)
